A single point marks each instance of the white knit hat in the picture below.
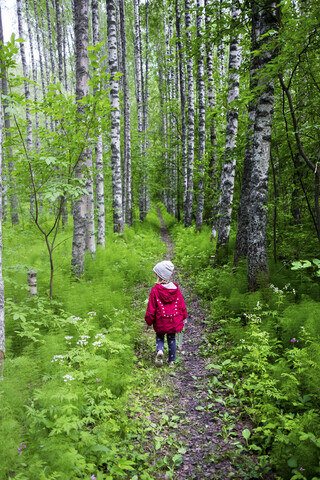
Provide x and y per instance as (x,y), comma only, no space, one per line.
(164,269)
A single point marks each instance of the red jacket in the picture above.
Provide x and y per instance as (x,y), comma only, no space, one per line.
(166,309)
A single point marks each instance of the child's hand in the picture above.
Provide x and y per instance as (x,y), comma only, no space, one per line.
(148,327)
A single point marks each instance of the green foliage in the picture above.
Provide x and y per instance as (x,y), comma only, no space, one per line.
(271,364)
(69,361)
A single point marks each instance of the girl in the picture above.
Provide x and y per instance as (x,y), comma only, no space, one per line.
(166,311)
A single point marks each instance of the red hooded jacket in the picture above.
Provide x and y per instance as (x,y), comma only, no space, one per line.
(166,309)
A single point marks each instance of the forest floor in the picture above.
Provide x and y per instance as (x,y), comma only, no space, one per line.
(198,427)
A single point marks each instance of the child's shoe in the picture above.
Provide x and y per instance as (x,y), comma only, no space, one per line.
(171,364)
(159,358)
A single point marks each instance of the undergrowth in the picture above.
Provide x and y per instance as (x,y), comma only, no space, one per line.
(265,348)
(68,371)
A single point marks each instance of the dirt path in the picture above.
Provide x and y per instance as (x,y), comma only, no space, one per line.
(212,431)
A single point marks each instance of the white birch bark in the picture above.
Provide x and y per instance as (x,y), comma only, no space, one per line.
(101,223)
(53,70)
(241,245)
(183,106)
(146,110)
(127,129)
(64,44)
(90,223)
(163,120)
(26,89)
(221,49)
(8,154)
(43,83)
(229,166)
(34,73)
(212,153)
(172,95)
(45,51)
(59,41)
(189,201)
(257,234)
(82,89)
(202,115)
(115,119)
(2,324)
(139,98)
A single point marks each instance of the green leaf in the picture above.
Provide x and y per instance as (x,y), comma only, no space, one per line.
(246,434)
(292,462)
(212,366)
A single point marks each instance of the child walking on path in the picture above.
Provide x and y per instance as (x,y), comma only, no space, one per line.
(166,311)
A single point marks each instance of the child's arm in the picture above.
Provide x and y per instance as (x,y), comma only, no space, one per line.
(184,308)
(151,309)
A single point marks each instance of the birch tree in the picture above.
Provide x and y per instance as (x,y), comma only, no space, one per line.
(139,100)
(189,200)
(257,233)
(228,169)
(101,227)
(7,153)
(126,114)
(202,115)
(212,151)
(59,41)
(53,70)
(2,325)
(241,246)
(82,90)
(115,119)
(182,104)
(34,73)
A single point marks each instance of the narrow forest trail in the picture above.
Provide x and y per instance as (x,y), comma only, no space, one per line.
(210,432)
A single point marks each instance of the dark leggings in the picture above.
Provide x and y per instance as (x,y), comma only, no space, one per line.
(171,339)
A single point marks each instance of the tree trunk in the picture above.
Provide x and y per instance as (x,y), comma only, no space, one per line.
(202,115)
(101,223)
(258,272)
(82,89)
(53,70)
(229,166)
(59,42)
(90,223)
(45,51)
(189,200)
(139,98)
(26,90)
(2,324)
(34,73)
(183,106)
(13,199)
(220,49)
(212,151)
(43,83)
(127,130)
(241,246)
(64,44)
(115,119)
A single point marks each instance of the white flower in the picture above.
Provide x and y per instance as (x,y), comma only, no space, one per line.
(92,313)
(68,337)
(74,319)
(242,340)
(99,335)
(97,344)
(57,358)
(67,377)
